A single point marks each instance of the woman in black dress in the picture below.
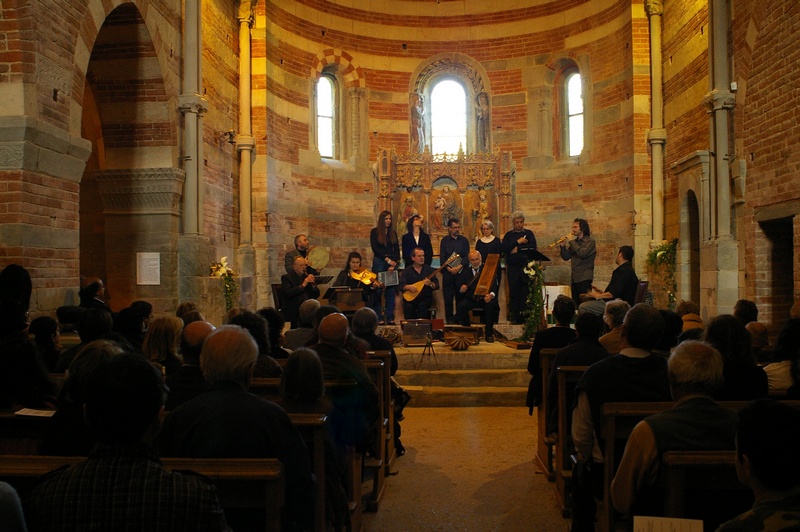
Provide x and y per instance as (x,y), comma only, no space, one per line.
(416,237)
(346,279)
(386,255)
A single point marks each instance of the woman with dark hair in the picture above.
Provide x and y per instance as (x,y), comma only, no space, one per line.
(256,325)
(346,279)
(385,256)
(275,322)
(783,371)
(416,237)
(44,330)
(744,380)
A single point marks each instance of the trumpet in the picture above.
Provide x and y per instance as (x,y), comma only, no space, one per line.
(560,240)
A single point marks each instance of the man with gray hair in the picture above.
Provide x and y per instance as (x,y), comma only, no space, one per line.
(229,422)
(515,244)
(299,337)
(613,317)
(695,422)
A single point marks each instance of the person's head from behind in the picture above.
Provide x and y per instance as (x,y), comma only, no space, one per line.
(275,323)
(322,312)
(16,284)
(694,367)
(732,340)
(81,367)
(745,311)
(767,443)
(124,399)
(614,313)
(145,310)
(687,307)
(563,309)
(302,379)
(192,338)
(129,322)
(308,308)
(44,329)
(642,327)
(787,347)
(365,322)
(673,326)
(184,308)
(257,327)
(162,338)
(229,354)
(759,334)
(333,330)
(94,323)
(588,326)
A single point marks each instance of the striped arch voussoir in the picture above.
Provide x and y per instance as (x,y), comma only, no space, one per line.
(352,73)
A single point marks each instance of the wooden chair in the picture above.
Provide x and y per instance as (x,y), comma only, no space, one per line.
(567,379)
(276,295)
(641,292)
(240,482)
(545,444)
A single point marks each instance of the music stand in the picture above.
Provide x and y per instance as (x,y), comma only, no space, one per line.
(533,254)
(427,352)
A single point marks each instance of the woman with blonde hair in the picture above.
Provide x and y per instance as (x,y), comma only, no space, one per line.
(160,345)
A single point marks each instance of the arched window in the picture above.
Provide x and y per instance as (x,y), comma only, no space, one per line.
(448,117)
(572,115)
(326,123)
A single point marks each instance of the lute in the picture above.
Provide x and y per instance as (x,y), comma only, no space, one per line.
(411,296)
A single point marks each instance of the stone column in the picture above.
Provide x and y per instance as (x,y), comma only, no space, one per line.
(657,136)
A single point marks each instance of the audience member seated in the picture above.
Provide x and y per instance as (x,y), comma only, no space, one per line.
(297,286)
(94,324)
(689,311)
(124,404)
(145,310)
(745,311)
(92,294)
(275,324)
(68,434)
(11,514)
(303,391)
(634,375)
(744,381)
(623,284)
(339,363)
(300,336)
(691,334)
(584,350)
(229,422)
(188,310)
(365,324)
(785,366)
(554,337)
(613,316)
(16,284)
(187,382)
(47,338)
(160,344)
(23,375)
(672,328)
(68,318)
(768,462)
(760,337)
(266,366)
(695,422)
(129,323)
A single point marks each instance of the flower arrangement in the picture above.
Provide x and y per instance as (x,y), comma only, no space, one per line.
(661,262)
(222,270)
(534,305)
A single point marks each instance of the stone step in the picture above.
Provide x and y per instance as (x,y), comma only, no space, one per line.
(458,396)
(464,378)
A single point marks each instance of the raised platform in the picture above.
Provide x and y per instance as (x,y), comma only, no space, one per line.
(487,374)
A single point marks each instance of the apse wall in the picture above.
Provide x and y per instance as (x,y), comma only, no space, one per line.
(523,48)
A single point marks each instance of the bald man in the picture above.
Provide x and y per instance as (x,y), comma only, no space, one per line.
(466,282)
(229,422)
(339,363)
(296,287)
(93,294)
(188,382)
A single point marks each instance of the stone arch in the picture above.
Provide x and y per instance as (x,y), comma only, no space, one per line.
(346,65)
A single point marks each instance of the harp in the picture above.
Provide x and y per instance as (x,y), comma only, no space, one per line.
(488,275)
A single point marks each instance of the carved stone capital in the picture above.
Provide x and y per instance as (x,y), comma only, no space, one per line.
(141,190)
(192,103)
(653,7)
(657,136)
(718,100)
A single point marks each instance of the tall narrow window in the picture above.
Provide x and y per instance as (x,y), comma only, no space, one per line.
(448,117)
(574,114)
(325,122)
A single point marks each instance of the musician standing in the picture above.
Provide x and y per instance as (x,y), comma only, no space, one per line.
(452,243)
(410,278)
(385,256)
(301,249)
(296,287)
(581,251)
(467,282)
(515,244)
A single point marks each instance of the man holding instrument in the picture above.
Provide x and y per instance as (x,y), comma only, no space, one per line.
(297,287)
(452,243)
(581,251)
(467,281)
(410,279)
(301,249)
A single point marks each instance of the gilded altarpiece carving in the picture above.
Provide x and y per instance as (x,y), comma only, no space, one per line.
(471,188)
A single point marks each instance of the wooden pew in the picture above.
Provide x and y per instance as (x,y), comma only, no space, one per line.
(21,434)
(388,407)
(567,378)
(707,481)
(545,444)
(313,430)
(376,465)
(240,482)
